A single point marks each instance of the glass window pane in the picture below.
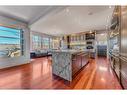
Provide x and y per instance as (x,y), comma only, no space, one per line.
(9,32)
(10,42)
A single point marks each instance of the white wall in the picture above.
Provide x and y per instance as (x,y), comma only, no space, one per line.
(8,62)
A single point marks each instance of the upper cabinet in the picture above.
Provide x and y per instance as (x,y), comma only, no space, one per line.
(115,22)
(114,33)
(77,41)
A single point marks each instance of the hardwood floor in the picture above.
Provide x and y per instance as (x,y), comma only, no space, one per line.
(38,75)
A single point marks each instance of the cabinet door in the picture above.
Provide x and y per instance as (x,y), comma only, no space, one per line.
(117,67)
(79,61)
(76,64)
(124,74)
(85,59)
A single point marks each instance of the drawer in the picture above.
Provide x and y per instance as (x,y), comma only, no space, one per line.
(124,80)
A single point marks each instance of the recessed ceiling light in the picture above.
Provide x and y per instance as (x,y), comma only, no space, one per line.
(90,31)
(102,34)
(67,10)
(90,13)
(110,6)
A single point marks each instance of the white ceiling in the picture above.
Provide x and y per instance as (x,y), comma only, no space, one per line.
(75,19)
(59,20)
(28,14)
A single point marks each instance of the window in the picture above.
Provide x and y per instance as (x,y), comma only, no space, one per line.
(40,42)
(46,42)
(36,42)
(11,42)
(55,43)
(101,39)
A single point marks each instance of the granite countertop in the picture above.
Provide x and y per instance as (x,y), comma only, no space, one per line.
(69,51)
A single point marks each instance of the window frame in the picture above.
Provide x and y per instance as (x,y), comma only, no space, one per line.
(43,42)
(21,40)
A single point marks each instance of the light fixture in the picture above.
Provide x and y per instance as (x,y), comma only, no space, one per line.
(90,31)
(110,7)
(67,10)
(102,34)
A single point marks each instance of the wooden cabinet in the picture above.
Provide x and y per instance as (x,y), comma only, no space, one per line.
(76,64)
(78,61)
(85,59)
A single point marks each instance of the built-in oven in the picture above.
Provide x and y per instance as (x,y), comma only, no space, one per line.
(89,42)
(90,36)
(90,47)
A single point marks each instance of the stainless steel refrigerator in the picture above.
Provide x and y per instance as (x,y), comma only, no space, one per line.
(123,47)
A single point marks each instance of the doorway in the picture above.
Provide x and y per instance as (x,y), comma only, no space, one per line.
(101,44)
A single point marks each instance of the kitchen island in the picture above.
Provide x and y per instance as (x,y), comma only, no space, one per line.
(66,63)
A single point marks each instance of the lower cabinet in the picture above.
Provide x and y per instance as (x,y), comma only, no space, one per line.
(124,74)
(78,61)
(85,59)
(119,64)
(76,64)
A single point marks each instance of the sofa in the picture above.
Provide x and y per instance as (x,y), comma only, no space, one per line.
(40,53)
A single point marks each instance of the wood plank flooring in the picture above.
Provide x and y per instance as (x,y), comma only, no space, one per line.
(38,75)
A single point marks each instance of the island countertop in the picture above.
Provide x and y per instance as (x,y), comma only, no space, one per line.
(63,62)
(69,51)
